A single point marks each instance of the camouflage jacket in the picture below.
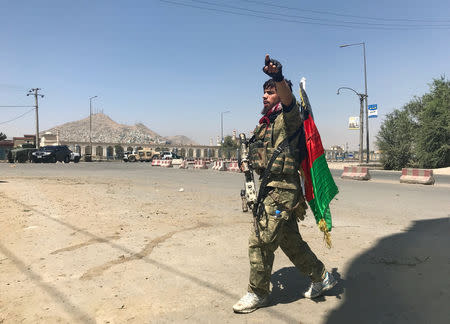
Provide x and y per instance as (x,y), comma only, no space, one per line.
(284,172)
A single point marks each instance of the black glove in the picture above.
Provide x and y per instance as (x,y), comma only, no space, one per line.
(270,64)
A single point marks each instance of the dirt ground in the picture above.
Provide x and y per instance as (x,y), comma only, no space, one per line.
(148,245)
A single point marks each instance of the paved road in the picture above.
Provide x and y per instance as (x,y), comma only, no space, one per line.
(384,184)
(81,168)
(146,252)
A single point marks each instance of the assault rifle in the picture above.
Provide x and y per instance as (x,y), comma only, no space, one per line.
(249,197)
(248,194)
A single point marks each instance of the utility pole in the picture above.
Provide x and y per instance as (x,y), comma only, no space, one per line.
(366,110)
(361,96)
(365,93)
(34,92)
(361,127)
(90,122)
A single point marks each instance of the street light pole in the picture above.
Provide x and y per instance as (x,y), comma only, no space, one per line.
(367,111)
(90,122)
(365,92)
(221,125)
(361,120)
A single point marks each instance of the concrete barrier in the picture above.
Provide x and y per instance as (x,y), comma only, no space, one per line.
(221,166)
(156,162)
(233,167)
(200,164)
(356,173)
(184,164)
(166,164)
(419,176)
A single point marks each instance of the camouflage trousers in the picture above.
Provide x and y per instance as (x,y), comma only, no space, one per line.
(280,230)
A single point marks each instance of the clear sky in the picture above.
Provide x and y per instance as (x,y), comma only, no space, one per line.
(175,65)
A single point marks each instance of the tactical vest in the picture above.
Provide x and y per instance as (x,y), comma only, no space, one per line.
(267,138)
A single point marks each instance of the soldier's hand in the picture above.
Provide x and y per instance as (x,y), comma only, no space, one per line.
(273,68)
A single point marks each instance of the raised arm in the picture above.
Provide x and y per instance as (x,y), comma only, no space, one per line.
(273,68)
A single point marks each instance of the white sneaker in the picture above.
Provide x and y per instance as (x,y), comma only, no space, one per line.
(318,288)
(249,303)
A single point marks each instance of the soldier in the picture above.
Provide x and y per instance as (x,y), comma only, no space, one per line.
(283,204)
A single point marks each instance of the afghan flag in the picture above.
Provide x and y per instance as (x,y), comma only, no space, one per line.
(319,185)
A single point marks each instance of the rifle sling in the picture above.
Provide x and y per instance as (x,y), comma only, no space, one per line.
(265,177)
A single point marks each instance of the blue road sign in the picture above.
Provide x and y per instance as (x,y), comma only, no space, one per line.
(373,111)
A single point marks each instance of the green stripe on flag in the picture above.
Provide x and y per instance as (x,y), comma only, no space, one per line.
(324,190)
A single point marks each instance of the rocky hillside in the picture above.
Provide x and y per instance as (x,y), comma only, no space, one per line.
(105,130)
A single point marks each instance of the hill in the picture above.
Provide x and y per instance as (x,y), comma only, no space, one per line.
(106,130)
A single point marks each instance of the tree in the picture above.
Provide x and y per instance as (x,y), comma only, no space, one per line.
(433,133)
(2,136)
(419,133)
(229,147)
(395,140)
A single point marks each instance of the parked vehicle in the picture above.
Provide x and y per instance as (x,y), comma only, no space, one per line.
(126,154)
(144,155)
(52,154)
(169,155)
(176,159)
(75,157)
(22,153)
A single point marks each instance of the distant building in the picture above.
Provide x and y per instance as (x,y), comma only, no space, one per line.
(337,149)
(49,139)
(334,152)
(8,145)
(5,147)
(26,139)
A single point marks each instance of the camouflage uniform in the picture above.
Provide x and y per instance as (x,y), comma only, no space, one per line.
(284,195)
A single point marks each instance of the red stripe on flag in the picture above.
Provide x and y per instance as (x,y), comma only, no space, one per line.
(313,141)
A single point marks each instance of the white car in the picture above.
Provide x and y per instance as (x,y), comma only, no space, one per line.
(176,159)
(75,157)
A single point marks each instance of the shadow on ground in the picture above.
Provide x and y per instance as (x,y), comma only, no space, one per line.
(288,286)
(405,278)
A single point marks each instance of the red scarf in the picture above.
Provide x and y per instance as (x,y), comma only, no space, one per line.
(265,119)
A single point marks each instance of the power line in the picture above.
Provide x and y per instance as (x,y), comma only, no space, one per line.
(249,15)
(316,19)
(14,106)
(8,121)
(271,4)
(339,24)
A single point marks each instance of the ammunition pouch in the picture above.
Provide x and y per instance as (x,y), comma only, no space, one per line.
(284,163)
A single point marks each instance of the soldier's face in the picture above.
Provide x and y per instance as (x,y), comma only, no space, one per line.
(270,99)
